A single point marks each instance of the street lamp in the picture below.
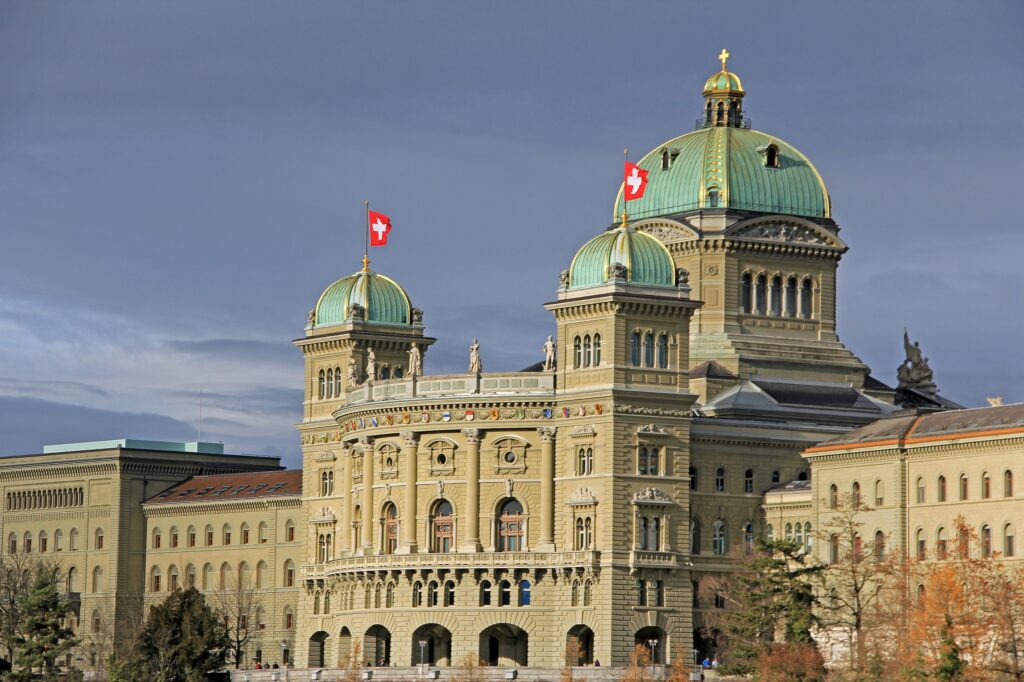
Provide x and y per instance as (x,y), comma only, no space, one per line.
(423,645)
(653,644)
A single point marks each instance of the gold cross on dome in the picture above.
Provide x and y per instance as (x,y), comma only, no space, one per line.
(723,57)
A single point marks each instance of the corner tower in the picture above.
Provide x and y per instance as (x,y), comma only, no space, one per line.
(750,219)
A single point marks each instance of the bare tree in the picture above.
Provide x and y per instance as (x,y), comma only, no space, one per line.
(237,604)
(16,574)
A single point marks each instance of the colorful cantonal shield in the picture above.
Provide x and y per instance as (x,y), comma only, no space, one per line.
(565,411)
(599,408)
(446,416)
(470,415)
(547,413)
(520,413)
(405,418)
(362,424)
(390,419)
(425,417)
(494,413)
(373,420)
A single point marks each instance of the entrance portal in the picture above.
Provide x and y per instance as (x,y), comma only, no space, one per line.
(432,644)
(505,645)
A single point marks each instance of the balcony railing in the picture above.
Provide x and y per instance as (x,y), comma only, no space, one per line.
(640,558)
(454,560)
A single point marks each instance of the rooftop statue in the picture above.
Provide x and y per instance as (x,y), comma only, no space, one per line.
(353,373)
(371,366)
(549,354)
(415,361)
(475,366)
(914,371)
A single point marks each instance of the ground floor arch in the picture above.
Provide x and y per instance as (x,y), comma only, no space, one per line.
(432,645)
(344,648)
(317,649)
(653,639)
(579,646)
(505,645)
(707,643)
(377,646)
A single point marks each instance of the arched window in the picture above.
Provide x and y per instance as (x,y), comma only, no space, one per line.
(712,198)
(245,533)
(833,549)
(73,540)
(226,534)
(588,351)
(879,545)
(588,533)
(385,373)
(1008,548)
(289,618)
(389,595)
(485,593)
(641,593)
(986,541)
(986,485)
(653,534)
(597,350)
(72,584)
(579,533)
(788,532)
(337,382)
(649,349)
(417,594)
(659,593)
(504,593)
(43,542)
(1007,483)
(833,496)
(805,299)
(449,593)
(226,580)
(941,544)
(577,353)
(575,595)
(172,578)
(97,622)
(524,593)
(442,526)
(156,538)
(357,525)
(634,349)
(209,536)
(322,392)
(963,487)
(289,573)
(761,302)
(261,574)
(879,493)
(330,383)
(289,531)
(769,532)
(97,579)
(748,538)
(511,522)
(207,577)
(775,299)
(720,480)
(693,478)
(694,536)
(316,603)
(376,596)
(746,295)
(190,577)
(798,534)
(663,351)
(941,489)
(27,542)
(586,593)
(920,490)
(789,305)
(261,533)
(390,523)
(855,494)
(748,481)
(922,545)
(771,157)
(98,541)
(718,538)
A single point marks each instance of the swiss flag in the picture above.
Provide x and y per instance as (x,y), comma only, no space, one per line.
(635,181)
(380,226)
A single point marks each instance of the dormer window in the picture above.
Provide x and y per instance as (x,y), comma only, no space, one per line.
(665,160)
(771,156)
(712,198)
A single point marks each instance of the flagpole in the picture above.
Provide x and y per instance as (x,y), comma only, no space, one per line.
(366,238)
(625,201)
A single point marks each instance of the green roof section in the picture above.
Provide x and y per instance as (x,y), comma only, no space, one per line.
(382,300)
(132,444)
(646,259)
(733,162)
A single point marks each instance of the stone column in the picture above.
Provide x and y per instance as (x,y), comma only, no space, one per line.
(547,489)
(368,512)
(346,507)
(472,513)
(410,523)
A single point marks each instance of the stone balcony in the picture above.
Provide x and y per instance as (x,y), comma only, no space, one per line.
(454,561)
(641,558)
(529,384)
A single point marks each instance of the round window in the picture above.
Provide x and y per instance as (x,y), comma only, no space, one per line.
(389,463)
(510,457)
(441,459)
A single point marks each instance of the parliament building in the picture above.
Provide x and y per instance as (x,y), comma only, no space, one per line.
(693,396)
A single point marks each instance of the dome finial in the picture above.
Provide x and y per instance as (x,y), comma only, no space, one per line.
(366,263)
(723,57)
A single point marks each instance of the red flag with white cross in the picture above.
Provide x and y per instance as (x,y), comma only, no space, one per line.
(634,182)
(380,226)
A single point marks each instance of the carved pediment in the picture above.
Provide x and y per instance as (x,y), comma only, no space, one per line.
(652,430)
(583,497)
(787,231)
(652,496)
(667,231)
(584,430)
(325,515)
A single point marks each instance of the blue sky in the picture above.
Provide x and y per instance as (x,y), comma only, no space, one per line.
(179,181)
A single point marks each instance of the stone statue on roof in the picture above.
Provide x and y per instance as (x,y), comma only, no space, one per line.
(914,371)
(475,366)
(371,366)
(353,373)
(549,354)
(415,361)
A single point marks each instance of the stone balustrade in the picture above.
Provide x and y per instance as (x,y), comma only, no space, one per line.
(458,560)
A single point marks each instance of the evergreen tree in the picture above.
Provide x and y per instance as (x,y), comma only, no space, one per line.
(771,600)
(951,665)
(183,639)
(44,637)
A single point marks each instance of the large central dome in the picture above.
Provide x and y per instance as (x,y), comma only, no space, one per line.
(724,164)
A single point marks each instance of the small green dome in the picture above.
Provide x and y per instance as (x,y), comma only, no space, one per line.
(728,167)
(645,258)
(380,297)
(722,82)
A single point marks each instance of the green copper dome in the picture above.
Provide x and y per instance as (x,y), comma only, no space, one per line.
(729,167)
(381,299)
(645,258)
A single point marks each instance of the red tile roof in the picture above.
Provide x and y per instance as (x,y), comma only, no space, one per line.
(232,487)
